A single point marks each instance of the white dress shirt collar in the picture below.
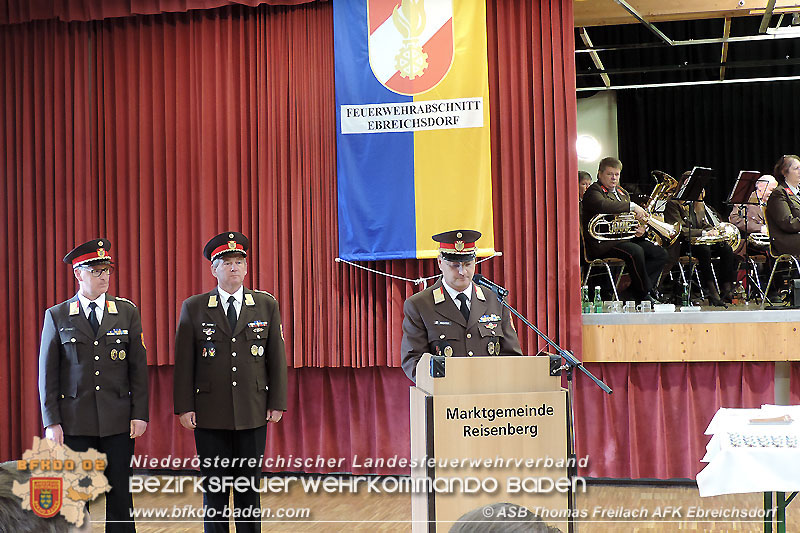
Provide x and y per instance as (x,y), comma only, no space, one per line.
(101,305)
(453,293)
(225,296)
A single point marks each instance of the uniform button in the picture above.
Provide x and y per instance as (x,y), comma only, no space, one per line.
(234,383)
(96,343)
(118,341)
(72,339)
(258,336)
(96,372)
(469,353)
(96,357)
(62,396)
(97,388)
(233,354)
(233,339)
(441,336)
(234,369)
(208,338)
(197,390)
(469,335)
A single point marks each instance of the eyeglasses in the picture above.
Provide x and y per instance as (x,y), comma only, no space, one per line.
(97,272)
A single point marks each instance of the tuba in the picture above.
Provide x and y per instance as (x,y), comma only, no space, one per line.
(611,227)
(660,232)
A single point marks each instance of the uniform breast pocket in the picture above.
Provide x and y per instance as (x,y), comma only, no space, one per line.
(208,344)
(445,339)
(71,339)
(117,348)
(491,335)
(447,331)
(256,341)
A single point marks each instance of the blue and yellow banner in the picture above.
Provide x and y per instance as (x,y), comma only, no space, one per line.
(412,118)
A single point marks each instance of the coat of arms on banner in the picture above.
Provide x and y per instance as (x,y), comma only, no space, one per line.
(46,493)
(410,43)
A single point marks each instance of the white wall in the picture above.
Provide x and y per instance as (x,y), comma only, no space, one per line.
(597,116)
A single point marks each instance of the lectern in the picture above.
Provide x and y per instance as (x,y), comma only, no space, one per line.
(492,429)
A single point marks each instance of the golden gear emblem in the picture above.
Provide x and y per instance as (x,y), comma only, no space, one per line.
(409,19)
(231,245)
(459,246)
(101,252)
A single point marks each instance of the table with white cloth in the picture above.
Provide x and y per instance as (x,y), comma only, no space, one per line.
(754,450)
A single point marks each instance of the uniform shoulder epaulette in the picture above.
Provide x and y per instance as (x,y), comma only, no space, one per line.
(124,300)
(265,292)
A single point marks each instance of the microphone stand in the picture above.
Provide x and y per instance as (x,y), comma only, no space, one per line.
(570,363)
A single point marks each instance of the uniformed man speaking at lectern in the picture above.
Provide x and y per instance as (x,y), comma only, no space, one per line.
(93,375)
(455,317)
(230,381)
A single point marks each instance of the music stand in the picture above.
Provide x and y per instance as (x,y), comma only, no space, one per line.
(692,184)
(689,190)
(744,187)
(740,198)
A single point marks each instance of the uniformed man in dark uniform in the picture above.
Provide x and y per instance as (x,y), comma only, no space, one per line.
(455,316)
(93,375)
(230,378)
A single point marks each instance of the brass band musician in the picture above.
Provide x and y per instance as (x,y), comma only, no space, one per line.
(783,207)
(749,218)
(643,259)
(702,236)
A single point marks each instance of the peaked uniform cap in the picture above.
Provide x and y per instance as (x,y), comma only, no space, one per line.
(229,242)
(89,253)
(458,244)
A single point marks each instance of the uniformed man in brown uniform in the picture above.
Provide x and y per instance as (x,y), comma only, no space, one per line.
(230,378)
(93,375)
(643,259)
(455,316)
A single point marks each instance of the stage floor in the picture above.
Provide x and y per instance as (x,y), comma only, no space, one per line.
(392,512)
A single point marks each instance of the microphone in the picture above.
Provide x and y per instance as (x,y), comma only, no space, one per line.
(491,285)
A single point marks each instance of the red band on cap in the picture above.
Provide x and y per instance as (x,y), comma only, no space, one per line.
(462,248)
(227,248)
(90,256)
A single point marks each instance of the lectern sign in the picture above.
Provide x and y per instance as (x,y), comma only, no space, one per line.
(514,443)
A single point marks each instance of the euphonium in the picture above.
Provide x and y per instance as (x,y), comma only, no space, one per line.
(613,227)
(658,231)
(727,232)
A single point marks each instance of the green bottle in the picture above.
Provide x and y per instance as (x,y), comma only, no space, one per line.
(598,301)
(586,305)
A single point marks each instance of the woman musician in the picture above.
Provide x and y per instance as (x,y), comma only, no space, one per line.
(783,207)
(699,223)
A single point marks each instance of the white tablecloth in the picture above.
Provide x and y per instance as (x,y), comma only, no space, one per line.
(744,457)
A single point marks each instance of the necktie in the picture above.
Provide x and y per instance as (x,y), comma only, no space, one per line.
(461,297)
(93,317)
(232,313)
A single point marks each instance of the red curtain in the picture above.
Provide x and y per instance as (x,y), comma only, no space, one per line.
(652,425)
(160,131)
